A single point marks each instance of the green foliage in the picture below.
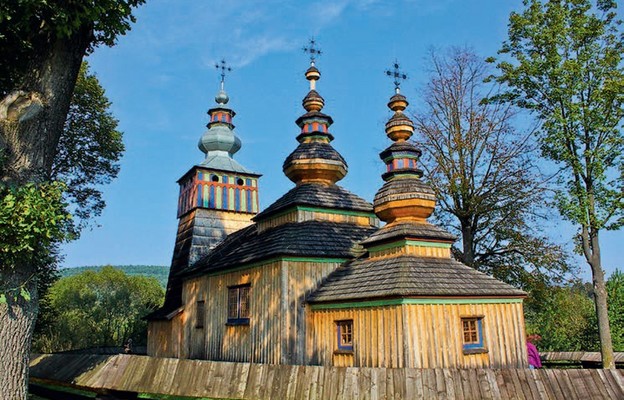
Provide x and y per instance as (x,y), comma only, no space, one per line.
(42,43)
(567,67)
(102,308)
(484,173)
(29,26)
(563,317)
(615,291)
(159,272)
(89,149)
(33,220)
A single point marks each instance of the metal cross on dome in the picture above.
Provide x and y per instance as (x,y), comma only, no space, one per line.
(312,50)
(223,67)
(397,75)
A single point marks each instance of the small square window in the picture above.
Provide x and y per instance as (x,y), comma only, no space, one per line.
(472,334)
(238,305)
(345,335)
(200,315)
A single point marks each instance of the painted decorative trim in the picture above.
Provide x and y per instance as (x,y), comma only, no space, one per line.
(396,302)
(218,191)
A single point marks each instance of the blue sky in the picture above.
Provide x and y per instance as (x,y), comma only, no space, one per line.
(161,80)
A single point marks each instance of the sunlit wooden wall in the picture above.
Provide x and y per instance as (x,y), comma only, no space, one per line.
(164,338)
(276,330)
(419,336)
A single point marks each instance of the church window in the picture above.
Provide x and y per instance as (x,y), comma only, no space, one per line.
(240,182)
(238,305)
(214,178)
(344,331)
(201,313)
(472,334)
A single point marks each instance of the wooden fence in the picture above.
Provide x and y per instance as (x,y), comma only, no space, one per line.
(580,356)
(224,380)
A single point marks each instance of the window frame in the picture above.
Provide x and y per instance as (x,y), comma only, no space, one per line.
(340,332)
(241,291)
(200,314)
(473,347)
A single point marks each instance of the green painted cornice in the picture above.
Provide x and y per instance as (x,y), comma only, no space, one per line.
(409,301)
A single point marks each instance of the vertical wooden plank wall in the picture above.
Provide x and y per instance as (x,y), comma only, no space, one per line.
(377,337)
(503,332)
(164,337)
(419,336)
(159,339)
(277,329)
(303,278)
(256,342)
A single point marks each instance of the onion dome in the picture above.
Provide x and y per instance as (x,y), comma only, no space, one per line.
(399,127)
(220,136)
(314,160)
(403,197)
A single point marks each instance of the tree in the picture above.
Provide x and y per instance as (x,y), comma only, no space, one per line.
(99,308)
(565,316)
(615,293)
(562,315)
(42,43)
(484,174)
(89,149)
(565,64)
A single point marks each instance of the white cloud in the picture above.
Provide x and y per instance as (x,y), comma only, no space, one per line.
(241,31)
(325,13)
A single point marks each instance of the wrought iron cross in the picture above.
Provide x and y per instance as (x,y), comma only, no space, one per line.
(312,50)
(223,67)
(397,75)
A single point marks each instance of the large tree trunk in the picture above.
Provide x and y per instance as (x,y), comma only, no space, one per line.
(468,255)
(600,299)
(32,116)
(31,122)
(17,321)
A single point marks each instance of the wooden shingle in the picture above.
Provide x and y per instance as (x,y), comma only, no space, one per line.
(304,239)
(407,276)
(317,195)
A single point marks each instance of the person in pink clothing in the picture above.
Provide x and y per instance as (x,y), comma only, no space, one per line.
(534,357)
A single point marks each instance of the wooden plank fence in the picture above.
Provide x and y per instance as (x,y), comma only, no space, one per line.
(226,380)
(580,356)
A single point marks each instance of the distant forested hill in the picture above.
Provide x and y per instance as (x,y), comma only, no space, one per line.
(157,271)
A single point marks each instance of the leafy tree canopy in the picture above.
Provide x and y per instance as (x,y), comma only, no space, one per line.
(565,64)
(485,174)
(89,149)
(565,316)
(42,43)
(568,69)
(615,291)
(27,26)
(98,308)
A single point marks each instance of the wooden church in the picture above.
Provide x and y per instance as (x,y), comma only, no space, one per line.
(312,279)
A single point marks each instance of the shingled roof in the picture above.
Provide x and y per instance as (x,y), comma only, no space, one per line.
(304,239)
(317,195)
(313,150)
(408,276)
(409,230)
